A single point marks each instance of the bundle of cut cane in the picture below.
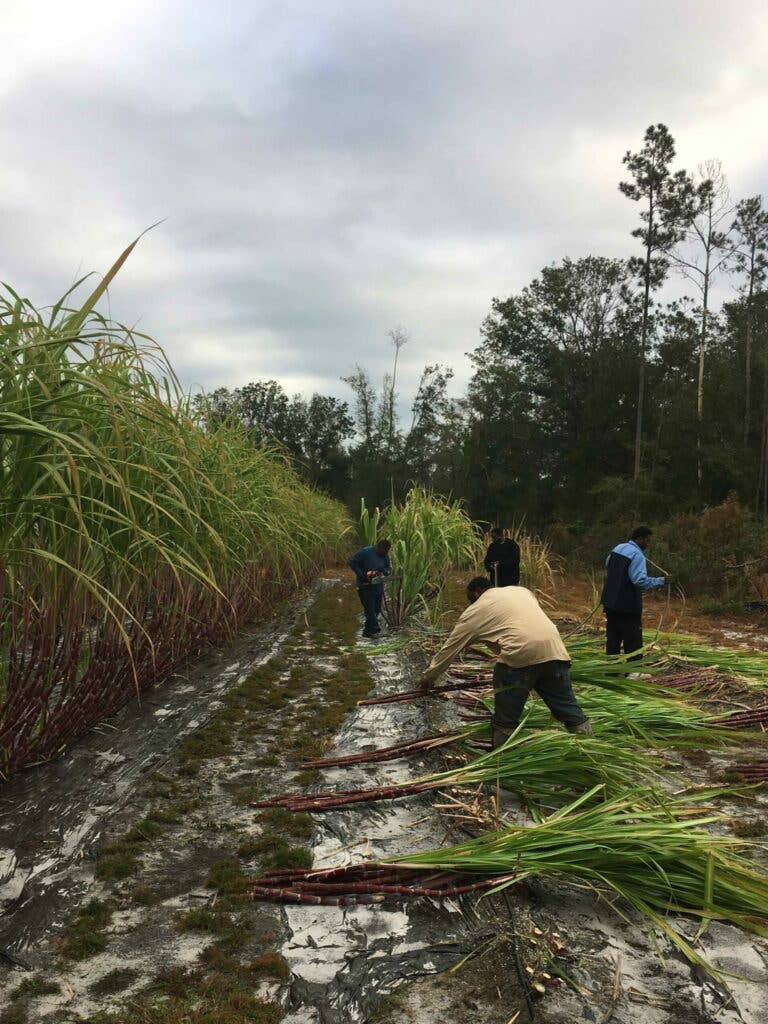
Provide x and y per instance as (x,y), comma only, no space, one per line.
(757,772)
(398,750)
(650,721)
(751,665)
(658,857)
(751,718)
(543,765)
(361,884)
(602,674)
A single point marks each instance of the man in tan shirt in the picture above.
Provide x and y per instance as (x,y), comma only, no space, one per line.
(531,656)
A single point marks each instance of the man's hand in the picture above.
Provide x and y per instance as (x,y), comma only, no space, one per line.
(668,580)
(425,682)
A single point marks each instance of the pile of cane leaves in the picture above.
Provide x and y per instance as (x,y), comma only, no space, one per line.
(657,856)
(661,654)
(647,721)
(750,665)
(546,764)
(431,536)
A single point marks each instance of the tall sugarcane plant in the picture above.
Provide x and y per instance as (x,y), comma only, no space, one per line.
(430,535)
(131,533)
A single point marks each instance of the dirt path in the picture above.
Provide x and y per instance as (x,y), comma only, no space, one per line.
(129,861)
(576,598)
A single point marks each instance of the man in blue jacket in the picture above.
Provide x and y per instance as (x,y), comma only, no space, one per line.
(626,579)
(370,564)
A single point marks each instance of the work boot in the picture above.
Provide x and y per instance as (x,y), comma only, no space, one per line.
(499,736)
(582,729)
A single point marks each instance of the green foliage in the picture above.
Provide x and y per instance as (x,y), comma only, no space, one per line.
(659,858)
(37,985)
(271,964)
(200,919)
(274,851)
(131,533)
(430,536)
(551,764)
(85,937)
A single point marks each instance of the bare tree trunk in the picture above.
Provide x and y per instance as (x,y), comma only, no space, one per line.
(641,374)
(700,383)
(748,364)
(761,498)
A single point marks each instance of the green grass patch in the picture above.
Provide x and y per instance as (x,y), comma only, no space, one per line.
(748,828)
(278,819)
(272,965)
(200,919)
(117,861)
(16,1013)
(85,937)
(144,831)
(276,852)
(227,878)
(37,985)
(145,896)
(306,778)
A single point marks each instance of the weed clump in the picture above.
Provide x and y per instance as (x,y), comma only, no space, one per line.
(275,852)
(748,828)
(200,919)
(271,964)
(145,896)
(277,819)
(31,988)
(85,936)
(227,878)
(117,861)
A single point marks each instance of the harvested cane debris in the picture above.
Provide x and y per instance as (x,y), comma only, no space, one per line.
(658,858)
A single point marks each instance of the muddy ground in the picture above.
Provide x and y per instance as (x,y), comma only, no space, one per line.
(126,863)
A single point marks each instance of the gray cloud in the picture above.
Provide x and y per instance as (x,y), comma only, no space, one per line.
(328,170)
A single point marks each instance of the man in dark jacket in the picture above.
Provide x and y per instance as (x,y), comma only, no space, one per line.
(371,564)
(626,579)
(502,560)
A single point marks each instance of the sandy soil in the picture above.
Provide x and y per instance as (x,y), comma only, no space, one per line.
(393,964)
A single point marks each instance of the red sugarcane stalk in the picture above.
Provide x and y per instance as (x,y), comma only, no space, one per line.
(289,896)
(686,680)
(365,869)
(758,770)
(385,753)
(376,894)
(435,691)
(342,798)
(754,716)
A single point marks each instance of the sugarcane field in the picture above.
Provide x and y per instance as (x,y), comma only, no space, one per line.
(383,513)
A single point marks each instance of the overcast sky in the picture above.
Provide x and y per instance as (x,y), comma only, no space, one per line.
(329,169)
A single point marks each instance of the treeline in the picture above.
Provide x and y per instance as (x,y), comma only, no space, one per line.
(590,399)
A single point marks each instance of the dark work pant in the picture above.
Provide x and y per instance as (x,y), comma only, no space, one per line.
(623,631)
(551,680)
(371,599)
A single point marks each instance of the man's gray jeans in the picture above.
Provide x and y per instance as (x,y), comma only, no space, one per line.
(551,680)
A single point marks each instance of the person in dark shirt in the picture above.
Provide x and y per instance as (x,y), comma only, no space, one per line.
(625,580)
(370,564)
(502,560)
